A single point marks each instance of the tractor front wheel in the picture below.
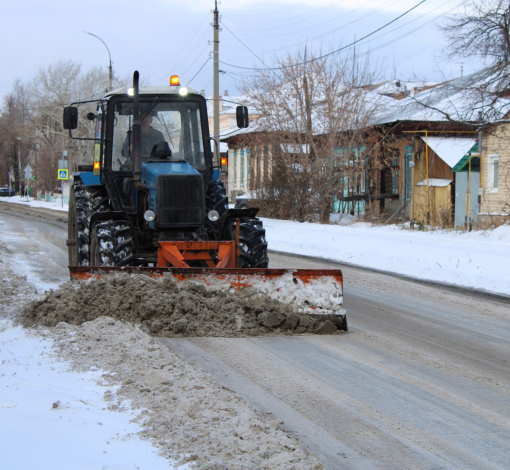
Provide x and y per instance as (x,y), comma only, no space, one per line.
(252,243)
(111,244)
(83,203)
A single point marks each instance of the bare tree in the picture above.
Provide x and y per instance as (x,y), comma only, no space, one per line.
(31,120)
(480,28)
(14,123)
(313,116)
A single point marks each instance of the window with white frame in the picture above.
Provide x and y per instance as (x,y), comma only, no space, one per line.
(235,169)
(493,173)
(242,177)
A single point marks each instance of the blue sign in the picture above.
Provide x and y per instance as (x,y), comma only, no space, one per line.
(62,174)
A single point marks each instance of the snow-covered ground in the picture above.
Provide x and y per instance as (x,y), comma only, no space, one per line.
(53,418)
(30,201)
(477,259)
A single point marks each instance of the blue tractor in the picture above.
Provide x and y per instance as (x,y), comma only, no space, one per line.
(153,183)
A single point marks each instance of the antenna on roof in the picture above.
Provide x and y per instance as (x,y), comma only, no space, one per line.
(394,65)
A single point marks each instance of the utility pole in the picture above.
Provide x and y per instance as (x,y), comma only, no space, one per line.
(216,85)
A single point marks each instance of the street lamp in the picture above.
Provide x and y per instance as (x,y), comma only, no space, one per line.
(110,73)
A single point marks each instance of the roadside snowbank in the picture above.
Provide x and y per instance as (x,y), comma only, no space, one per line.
(477,259)
(32,202)
(61,416)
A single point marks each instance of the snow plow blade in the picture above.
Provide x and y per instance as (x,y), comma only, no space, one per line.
(317,293)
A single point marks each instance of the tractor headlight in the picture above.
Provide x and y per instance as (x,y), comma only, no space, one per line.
(149,216)
(213,216)
(183,91)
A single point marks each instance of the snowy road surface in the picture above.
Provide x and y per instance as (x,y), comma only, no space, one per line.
(421,381)
(38,247)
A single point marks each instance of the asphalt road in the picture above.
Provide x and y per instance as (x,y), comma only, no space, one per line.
(422,380)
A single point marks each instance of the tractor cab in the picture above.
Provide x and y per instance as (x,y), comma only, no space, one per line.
(153,172)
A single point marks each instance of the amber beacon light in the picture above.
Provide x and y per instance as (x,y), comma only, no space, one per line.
(224,164)
(174,80)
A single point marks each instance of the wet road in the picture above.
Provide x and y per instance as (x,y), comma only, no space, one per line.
(38,244)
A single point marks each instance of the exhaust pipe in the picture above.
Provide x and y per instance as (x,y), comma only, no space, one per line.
(137,131)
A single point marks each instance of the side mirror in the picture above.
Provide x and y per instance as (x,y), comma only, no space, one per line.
(70,120)
(242,117)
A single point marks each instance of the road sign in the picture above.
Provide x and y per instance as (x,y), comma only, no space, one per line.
(62,174)
(28,172)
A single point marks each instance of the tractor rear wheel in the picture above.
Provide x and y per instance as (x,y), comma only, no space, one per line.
(252,243)
(83,203)
(111,244)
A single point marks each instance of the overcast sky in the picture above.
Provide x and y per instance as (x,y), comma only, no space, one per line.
(164,37)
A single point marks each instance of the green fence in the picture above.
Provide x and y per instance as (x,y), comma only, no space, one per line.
(49,198)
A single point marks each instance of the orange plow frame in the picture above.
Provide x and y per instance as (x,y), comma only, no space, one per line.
(175,254)
(239,277)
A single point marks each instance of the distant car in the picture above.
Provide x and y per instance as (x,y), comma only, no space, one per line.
(250,199)
(5,192)
(243,202)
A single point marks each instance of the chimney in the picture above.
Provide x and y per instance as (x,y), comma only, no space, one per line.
(225,93)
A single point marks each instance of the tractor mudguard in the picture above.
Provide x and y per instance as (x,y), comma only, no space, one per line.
(234,214)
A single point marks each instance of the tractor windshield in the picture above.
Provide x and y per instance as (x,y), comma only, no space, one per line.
(177,123)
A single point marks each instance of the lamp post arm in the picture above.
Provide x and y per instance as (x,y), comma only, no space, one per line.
(110,74)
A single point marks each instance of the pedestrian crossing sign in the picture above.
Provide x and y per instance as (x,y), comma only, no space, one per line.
(62,174)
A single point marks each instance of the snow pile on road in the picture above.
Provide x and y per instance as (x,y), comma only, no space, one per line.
(183,413)
(14,289)
(165,307)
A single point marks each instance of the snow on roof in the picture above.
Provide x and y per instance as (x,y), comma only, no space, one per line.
(396,86)
(450,149)
(462,99)
(295,148)
(440,183)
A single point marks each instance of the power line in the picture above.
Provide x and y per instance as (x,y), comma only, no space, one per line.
(193,36)
(329,53)
(243,43)
(257,31)
(208,59)
(329,32)
(277,11)
(307,15)
(383,34)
